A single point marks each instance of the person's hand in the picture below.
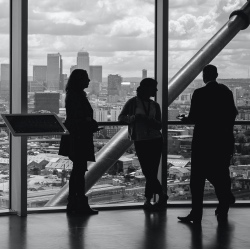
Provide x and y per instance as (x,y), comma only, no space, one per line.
(182,117)
(140,118)
(94,126)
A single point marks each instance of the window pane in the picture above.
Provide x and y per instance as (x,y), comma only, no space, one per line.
(113,41)
(191,25)
(4,103)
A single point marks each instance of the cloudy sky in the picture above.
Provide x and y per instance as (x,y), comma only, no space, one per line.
(119,35)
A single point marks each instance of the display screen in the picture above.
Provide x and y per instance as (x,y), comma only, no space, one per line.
(25,124)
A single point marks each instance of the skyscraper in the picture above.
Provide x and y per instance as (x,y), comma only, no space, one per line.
(100,115)
(83,61)
(5,80)
(48,101)
(144,73)
(72,68)
(54,71)
(114,84)
(39,73)
(114,114)
(95,73)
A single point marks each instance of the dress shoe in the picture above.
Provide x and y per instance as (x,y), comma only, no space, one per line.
(162,199)
(86,211)
(148,206)
(189,219)
(231,202)
(222,218)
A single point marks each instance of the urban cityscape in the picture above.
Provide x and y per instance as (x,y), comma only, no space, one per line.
(124,181)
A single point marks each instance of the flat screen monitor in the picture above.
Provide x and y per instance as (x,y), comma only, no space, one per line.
(34,124)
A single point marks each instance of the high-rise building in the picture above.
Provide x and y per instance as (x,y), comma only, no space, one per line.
(95,73)
(114,114)
(39,73)
(72,68)
(48,101)
(39,78)
(114,84)
(5,80)
(61,76)
(83,61)
(100,115)
(54,71)
(144,73)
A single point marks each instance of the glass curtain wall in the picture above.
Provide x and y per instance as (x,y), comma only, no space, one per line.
(190,27)
(4,102)
(114,42)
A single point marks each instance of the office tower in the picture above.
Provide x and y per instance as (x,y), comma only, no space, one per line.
(5,80)
(95,73)
(114,114)
(61,77)
(100,115)
(114,84)
(39,73)
(83,61)
(48,101)
(54,71)
(39,78)
(144,73)
(72,68)
(95,88)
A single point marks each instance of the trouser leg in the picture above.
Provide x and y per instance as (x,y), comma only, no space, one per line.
(149,154)
(222,184)
(197,183)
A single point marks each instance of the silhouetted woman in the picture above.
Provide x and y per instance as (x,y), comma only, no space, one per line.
(143,117)
(81,125)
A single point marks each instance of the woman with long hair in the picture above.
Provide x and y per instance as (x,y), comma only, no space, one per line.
(81,125)
(143,116)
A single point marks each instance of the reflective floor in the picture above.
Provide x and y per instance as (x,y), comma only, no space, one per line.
(130,229)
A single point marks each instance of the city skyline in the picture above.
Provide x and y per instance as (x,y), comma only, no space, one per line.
(121,38)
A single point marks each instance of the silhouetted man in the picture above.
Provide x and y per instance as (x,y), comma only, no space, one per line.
(213,112)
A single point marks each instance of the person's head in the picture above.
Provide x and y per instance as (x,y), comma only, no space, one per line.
(209,73)
(78,80)
(147,88)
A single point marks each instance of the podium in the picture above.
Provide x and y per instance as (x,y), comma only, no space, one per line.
(34,124)
(21,126)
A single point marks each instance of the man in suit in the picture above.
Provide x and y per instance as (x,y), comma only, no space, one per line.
(213,112)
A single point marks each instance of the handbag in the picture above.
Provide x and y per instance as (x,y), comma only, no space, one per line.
(64,148)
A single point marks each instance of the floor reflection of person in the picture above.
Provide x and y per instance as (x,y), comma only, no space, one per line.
(213,113)
(80,147)
(143,117)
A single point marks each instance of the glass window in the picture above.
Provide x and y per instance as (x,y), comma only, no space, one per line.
(191,25)
(4,103)
(114,42)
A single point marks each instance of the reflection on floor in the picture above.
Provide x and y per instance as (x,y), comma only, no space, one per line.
(130,229)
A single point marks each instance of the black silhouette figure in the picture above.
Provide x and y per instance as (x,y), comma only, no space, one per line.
(213,112)
(78,146)
(143,117)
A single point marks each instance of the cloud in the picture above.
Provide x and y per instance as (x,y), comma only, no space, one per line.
(189,26)
(133,26)
(224,8)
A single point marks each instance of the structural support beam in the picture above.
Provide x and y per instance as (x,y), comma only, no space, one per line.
(161,75)
(18,103)
(105,158)
(239,20)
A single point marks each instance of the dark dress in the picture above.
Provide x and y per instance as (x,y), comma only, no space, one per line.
(213,112)
(81,125)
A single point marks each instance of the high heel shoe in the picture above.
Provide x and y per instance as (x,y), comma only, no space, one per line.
(162,199)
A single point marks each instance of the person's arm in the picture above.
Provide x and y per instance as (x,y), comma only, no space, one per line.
(193,109)
(125,115)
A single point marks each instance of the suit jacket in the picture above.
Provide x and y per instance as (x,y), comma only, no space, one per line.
(213,112)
